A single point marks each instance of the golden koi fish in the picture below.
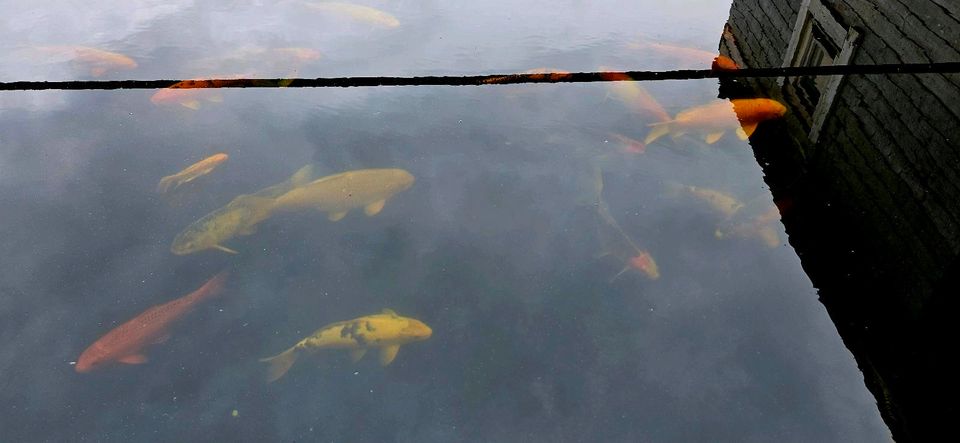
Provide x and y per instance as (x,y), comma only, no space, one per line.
(715,118)
(386,331)
(200,168)
(761,227)
(339,193)
(722,202)
(98,61)
(239,217)
(633,95)
(357,12)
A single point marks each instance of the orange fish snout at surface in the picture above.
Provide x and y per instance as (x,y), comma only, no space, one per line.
(645,264)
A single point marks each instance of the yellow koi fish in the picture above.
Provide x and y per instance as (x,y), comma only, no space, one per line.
(761,227)
(633,95)
(715,118)
(200,168)
(357,12)
(97,61)
(726,204)
(386,331)
(239,217)
(339,193)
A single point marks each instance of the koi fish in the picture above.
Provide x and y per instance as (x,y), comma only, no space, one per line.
(722,202)
(239,217)
(715,118)
(688,57)
(188,93)
(198,169)
(633,95)
(339,193)
(760,227)
(98,61)
(616,242)
(386,331)
(357,12)
(126,343)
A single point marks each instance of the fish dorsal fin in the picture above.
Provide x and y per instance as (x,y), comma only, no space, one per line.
(657,130)
(388,353)
(336,216)
(225,249)
(134,359)
(302,176)
(389,312)
(357,354)
(712,137)
(374,208)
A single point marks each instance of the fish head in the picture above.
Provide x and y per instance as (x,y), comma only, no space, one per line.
(403,179)
(191,240)
(644,263)
(92,358)
(416,330)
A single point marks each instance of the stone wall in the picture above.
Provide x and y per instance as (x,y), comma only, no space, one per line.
(875,202)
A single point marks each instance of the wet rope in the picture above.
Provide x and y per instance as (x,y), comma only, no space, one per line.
(479,80)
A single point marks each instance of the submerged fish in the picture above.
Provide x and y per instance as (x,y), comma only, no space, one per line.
(633,95)
(357,12)
(722,202)
(188,93)
(126,343)
(616,242)
(629,145)
(386,331)
(760,227)
(715,118)
(239,217)
(339,193)
(200,168)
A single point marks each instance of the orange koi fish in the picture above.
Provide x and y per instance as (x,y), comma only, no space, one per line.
(188,93)
(617,243)
(98,61)
(688,57)
(633,95)
(126,343)
(715,118)
(200,168)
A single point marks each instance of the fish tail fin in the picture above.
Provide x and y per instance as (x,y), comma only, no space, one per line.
(164,186)
(212,287)
(657,130)
(280,364)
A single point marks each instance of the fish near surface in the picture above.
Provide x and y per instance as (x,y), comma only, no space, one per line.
(126,343)
(615,241)
(713,119)
(339,193)
(198,169)
(239,217)
(357,12)
(761,226)
(633,95)
(386,332)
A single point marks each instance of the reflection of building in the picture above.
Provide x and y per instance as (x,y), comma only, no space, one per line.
(868,169)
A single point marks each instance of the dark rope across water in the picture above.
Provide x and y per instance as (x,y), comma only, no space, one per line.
(478,80)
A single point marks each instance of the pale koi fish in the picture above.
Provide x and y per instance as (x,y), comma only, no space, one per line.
(192,172)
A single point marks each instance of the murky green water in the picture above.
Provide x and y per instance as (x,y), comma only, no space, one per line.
(503,245)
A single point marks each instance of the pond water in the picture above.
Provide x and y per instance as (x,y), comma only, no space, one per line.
(579,285)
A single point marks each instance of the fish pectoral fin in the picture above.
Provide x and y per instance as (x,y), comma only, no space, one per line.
(657,130)
(336,216)
(712,137)
(134,359)
(625,269)
(357,354)
(388,311)
(216,98)
(225,249)
(746,130)
(388,353)
(374,208)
